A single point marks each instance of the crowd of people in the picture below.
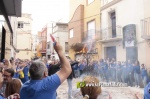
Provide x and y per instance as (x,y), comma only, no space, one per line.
(37,79)
(131,73)
(26,79)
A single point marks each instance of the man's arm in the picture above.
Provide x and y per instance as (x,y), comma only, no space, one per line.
(65,70)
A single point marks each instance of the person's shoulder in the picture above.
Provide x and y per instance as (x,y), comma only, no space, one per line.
(27,85)
(51,82)
(147,90)
(147,87)
(52,78)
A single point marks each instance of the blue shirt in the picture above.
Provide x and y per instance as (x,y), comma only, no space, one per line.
(25,71)
(81,66)
(1,97)
(147,91)
(144,73)
(47,65)
(105,67)
(40,89)
(136,69)
(96,66)
(76,67)
(16,74)
(130,68)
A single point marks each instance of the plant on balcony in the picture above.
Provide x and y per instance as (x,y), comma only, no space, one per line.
(77,47)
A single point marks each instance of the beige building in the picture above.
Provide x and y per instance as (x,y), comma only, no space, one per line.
(34,47)
(122,32)
(60,33)
(144,46)
(24,37)
(11,38)
(84,25)
(9,11)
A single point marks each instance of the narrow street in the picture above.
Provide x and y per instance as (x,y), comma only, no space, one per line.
(107,92)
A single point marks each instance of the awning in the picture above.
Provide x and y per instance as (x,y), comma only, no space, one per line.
(10,8)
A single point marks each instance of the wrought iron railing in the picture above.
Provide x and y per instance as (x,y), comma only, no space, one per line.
(109,33)
(145,27)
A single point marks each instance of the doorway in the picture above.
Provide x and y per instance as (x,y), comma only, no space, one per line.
(131,54)
(110,52)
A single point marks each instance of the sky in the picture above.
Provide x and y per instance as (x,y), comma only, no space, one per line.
(46,11)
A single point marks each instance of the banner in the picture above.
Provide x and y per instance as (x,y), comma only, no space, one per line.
(129,35)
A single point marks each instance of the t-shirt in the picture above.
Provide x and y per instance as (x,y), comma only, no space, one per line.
(1,97)
(25,72)
(147,91)
(40,89)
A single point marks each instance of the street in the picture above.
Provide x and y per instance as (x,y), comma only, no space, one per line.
(107,92)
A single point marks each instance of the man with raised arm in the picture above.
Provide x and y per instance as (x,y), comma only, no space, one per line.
(42,86)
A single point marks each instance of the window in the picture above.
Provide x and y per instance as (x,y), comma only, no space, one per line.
(20,24)
(113,24)
(64,27)
(91,30)
(71,33)
(90,1)
(66,47)
(48,46)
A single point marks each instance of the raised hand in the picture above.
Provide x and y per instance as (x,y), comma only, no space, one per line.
(56,44)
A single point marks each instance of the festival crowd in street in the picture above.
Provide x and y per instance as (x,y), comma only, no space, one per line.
(40,78)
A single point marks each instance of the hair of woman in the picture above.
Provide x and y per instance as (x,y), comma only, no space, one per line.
(13,87)
(91,91)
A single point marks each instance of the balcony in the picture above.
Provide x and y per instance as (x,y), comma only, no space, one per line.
(107,3)
(108,34)
(145,25)
(91,35)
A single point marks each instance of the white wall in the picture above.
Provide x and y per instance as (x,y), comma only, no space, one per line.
(127,12)
(24,37)
(146,8)
(120,51)
(61,37)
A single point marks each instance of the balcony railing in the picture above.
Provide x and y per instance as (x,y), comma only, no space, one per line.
(145,25)
(91,35)
(111,34)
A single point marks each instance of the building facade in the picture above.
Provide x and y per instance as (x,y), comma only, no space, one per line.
(11,39)
(122,33)
(42,41)
(144,46)
(9,11)
(60,33)
(34,46)
(84,25)
(24,37)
